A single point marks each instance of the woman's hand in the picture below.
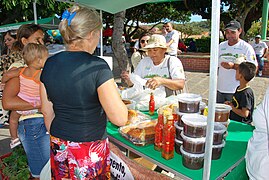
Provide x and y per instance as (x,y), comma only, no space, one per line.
(154,82)
(125,75)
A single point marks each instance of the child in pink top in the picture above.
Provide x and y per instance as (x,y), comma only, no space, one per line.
(34,56)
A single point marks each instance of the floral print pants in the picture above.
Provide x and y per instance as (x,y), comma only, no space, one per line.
(79,160)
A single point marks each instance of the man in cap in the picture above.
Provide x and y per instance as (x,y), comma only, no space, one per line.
(260,49)
(229,51)
(159,69)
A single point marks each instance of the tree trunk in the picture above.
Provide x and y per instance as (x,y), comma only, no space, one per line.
(117,44)
(242,15)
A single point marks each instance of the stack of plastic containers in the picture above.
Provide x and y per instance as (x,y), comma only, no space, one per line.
(193,134)
(218,140)
(187,104)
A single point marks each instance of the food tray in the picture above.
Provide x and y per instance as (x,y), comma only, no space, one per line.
(140,133)
(138,118)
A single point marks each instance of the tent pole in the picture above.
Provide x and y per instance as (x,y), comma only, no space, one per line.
(35,14)
(264,18)
(101,36)
(214,50)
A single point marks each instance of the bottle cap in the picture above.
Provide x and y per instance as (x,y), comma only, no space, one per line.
(170,117)
(160,111)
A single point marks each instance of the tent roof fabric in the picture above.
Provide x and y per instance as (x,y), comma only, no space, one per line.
(45,22)
(116,5)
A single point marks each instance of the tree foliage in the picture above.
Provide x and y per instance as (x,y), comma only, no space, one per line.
(245,11)
(256,28)
(13,11)
(193,28)
(149,14)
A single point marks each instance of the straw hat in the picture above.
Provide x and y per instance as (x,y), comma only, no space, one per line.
(156,41)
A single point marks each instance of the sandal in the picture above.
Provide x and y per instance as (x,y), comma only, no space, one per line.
(14,143)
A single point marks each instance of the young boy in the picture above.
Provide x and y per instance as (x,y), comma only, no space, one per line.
(242,102)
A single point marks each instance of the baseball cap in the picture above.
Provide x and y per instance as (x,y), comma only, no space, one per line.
(258,36)
(233,25)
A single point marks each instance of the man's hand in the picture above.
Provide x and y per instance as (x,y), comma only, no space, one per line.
(227,65)
(228,103)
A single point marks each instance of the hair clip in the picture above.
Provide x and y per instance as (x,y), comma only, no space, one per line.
(69,16)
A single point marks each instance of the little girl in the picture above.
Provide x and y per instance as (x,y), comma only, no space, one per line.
(34,56)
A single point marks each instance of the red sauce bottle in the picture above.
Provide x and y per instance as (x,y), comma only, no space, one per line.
(174,113)
(168,139)
(159,131)
(151,105)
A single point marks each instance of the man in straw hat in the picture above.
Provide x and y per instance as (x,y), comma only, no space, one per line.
(159,69)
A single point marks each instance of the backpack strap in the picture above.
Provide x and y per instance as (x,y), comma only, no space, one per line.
(168,91)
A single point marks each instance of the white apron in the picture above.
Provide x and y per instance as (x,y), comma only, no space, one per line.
(257,155)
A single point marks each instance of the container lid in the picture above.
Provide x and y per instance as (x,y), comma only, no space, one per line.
(219,145)
(189,98)
(181,113)
(196,120)
(190,154)
(178,141)
(219,128)
(177,126)
(225,122)
(190,139)
(223,108)
(225,134)
(202,105)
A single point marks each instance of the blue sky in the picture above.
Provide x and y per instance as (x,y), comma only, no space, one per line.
(196,18)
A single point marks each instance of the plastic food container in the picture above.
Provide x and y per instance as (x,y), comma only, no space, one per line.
(219,131)
(225,135)
(202,107)
(180,114)
(194,125)
(178,144)
(193,145)
(226,124)
(135,116)
(140,133)
(179,129)
(188,103)
(217,150)
(222,112)
(192,161)
(130,104)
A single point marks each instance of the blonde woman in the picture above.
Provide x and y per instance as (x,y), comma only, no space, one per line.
(78,95)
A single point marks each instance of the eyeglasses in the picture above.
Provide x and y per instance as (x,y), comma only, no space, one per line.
(143,41)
